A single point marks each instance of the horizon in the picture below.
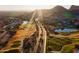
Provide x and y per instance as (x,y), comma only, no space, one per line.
(28,7)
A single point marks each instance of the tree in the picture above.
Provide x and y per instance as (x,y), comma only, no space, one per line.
(69,15)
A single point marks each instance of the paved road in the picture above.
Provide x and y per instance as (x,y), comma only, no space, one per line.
(42,34)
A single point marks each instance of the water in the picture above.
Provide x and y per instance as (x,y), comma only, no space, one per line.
(65,30)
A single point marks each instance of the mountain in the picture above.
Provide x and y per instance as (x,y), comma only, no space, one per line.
(51,14)
(74,9)
(56,11)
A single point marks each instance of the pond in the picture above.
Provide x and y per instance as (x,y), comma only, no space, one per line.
(65,30)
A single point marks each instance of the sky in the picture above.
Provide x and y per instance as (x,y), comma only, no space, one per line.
(27,7)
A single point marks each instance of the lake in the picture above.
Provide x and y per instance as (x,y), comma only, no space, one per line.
(66,30)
